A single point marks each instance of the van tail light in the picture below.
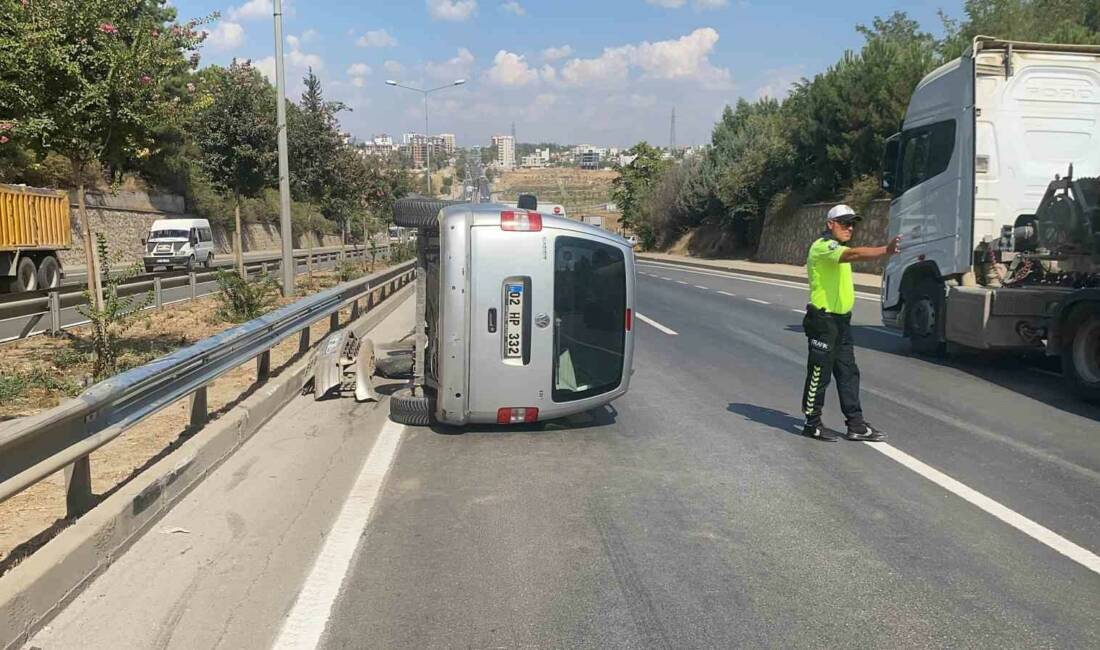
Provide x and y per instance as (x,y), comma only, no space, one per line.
(629,319)
(517,415)
(521,221)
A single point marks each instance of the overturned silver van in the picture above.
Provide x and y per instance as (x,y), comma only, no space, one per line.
(526,316)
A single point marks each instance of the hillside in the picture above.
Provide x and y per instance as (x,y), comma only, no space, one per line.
(581,192)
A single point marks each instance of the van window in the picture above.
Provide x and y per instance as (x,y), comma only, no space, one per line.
(168,234)
(925,153)
(589,318)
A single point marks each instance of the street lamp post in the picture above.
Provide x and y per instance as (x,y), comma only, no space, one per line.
(285,224)
(427,133)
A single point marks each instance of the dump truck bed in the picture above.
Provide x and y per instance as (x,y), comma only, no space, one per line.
(34,219)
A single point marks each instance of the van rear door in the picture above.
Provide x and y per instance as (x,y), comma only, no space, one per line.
(511,338)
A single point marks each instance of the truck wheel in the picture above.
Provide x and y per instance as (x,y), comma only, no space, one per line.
(1081,353)
(414,410)
(49,273)
(26,276)
(924,316)
(418,213)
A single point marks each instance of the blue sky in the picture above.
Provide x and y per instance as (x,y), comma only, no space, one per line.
(606,72)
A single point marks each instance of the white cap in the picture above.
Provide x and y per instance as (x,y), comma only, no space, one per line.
(842,212)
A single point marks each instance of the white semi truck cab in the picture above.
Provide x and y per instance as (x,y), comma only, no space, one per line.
(994,179)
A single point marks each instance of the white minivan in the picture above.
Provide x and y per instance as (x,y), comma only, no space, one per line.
(179,243)
(528,317)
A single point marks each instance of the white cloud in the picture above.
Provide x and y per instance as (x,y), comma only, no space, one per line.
(668,4)
(510,69)
(779,82)
(295,61)
(358,82)
(226,36)
(685,58)
(453,10)
(251,10)
(459,67)
(377,38)
(293,41)
(394,68)
(711,4)
(548,73)
(555,53)
(309,35)
(358,70)
(513,7)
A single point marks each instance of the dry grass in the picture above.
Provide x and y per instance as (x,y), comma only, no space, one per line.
(581,192)
(29,519)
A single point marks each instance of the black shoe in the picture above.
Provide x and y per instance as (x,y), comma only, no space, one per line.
(863,432)
(817,433)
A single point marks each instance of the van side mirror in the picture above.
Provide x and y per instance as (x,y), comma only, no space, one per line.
(527,202)
(890,164)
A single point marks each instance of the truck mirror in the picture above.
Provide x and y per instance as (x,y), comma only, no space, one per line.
(890,164)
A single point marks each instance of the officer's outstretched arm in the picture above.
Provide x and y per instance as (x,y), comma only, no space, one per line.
(870,253)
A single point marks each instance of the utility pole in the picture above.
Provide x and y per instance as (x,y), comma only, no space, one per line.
(427,138)
(672,134)
(284,164)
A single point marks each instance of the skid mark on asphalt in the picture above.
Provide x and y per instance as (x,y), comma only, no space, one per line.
(646,616)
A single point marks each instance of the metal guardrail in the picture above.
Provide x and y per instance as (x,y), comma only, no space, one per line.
(35,447)
(42,312)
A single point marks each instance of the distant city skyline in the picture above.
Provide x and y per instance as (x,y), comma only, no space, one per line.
(562,71)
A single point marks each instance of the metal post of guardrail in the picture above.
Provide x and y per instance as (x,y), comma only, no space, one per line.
(263,366)
(78,487)
(158,297)
(199,413)
(263,269)
(193,281)
(334,322)
(303,341)
(55,312)
(355,309)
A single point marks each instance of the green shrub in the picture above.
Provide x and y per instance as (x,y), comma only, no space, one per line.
(115,316)
(243,300)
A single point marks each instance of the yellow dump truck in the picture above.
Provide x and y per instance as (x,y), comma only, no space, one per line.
(34,226)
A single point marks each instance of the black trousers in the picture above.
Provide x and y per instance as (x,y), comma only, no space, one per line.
(832,354)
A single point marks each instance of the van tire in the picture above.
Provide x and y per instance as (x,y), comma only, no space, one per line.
(209,261)
(49,273)
(190,266)
(413,410)
(1081,352)
(927,296)
(418,213)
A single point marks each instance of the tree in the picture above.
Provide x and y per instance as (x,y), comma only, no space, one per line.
(314,145)
(87,80)
(235,134)
(633,184)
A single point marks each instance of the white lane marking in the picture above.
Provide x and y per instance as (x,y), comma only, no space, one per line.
(726,293)
(664,278)
(650,321)
(1040,533)
(680,282)
(799,311)
(746,278)
(758,301)
(304,626)
(699,286)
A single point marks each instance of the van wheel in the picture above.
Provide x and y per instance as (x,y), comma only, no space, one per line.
(1081,353)
(209,261)
(49,273)
(26,276)
(418,213)
(190,266)
(414,410)
(924,317)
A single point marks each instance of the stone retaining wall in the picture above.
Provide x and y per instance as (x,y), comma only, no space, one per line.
(125,218)
(787,234)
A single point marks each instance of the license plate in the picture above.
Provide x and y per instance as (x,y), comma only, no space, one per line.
(514,296)
(162,261)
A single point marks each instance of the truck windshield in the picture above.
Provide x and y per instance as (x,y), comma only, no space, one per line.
(589,318)
(168,234)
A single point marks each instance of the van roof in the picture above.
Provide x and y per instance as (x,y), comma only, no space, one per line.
(179,224)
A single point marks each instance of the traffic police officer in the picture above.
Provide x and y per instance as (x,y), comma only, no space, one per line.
(828,325)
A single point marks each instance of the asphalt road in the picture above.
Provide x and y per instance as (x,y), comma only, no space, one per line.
(689,515)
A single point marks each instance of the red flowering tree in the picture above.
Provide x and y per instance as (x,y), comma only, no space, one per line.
(89,80)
